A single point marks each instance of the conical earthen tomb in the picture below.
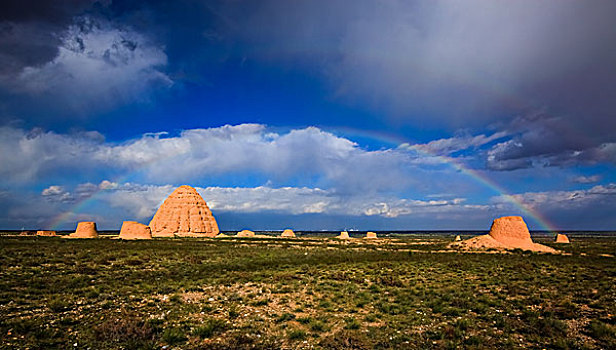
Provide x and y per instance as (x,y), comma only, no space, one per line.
(134,230)
(561,238)
(343,235)
(184,213)
(44,233)
(288,233)
(508,232)
(245,233)
(370,235)
(85,230)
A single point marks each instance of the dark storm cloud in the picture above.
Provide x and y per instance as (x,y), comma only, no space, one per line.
(29,30)
(459,64)
(76,59)
(541,140)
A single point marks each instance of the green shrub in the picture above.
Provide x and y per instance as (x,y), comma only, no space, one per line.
(173,336)
(209,328)
(297,334)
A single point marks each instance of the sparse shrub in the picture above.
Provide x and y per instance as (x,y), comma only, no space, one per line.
(58,304)
(317,326)
(297,334)
(285,317)
(261,302)
(124,329)
(233,312)
(346,339)
(209,328)
(304,320)
(352,323)
(173,336)
(602,331)
(371,318)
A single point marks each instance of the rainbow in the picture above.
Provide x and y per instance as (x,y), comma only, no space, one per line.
(79,205)
(384,138)
(396,141)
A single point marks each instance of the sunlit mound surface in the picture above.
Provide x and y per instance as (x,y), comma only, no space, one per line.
(245,233)
(561,238)
(371,235)
(509,232)
(184,213)
(288,233)
(44,233)
(134,230)
(85,230)
(343,235)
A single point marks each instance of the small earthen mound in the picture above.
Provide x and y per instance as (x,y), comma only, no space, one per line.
(371,235)
(561,238)
(46,233)
(343,235)
(457,239)
(135,230)
(184,213)
(509,232)
(27,233)
(220,235)
(245,233)
(85,230)
(288,233)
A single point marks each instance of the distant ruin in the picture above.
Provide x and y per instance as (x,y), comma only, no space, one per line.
(343,235)
(245,233)
(561,238)
(288,233)
(43,233)
(134,230)
(86,229)
(371,235)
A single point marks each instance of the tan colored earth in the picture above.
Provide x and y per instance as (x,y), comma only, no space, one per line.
(287,233)
(135,230)
(184,213)
(245,233)
(221,235)
(508,232)
(457,239)
(371,235)
(86,229)
(46,233)
(561,238)
(343,235)
(27,233)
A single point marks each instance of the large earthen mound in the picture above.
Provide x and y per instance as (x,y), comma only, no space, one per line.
(85,229)
(245,233)
(288,233)
(509,232)
(184,213)
(561,238)
(343,235)
(371,235)
(135,230)
(46,233)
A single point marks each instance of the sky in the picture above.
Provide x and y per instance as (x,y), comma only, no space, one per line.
(310,115)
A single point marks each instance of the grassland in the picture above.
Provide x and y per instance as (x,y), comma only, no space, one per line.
(307,293)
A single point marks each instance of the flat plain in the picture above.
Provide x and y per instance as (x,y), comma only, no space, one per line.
(303,293)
